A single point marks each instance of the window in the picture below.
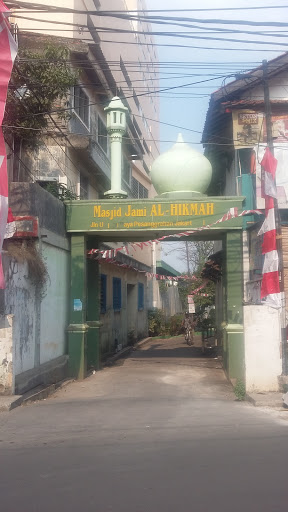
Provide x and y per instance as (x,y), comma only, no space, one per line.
(103,293)
(125,73)
(138,190)
(84,185)
(117,303)
(81,104)
(126,171)
(102,135)
(140,296)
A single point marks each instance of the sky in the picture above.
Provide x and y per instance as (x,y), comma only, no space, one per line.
(187,106)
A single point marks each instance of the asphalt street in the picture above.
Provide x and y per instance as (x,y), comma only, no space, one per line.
(159,431)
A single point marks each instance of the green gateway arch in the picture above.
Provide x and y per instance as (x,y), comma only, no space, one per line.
(91,223)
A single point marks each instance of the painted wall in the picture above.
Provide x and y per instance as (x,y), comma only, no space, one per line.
(39,313)
(54,305)
(262,348)
(20,301)
(7,375)
(117,324)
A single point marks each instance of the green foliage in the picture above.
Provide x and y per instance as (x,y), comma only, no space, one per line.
(239,390)
(38,80)
(187,287)
(159,325)
(60,191)
(131,338)
(175,325)
(156,322)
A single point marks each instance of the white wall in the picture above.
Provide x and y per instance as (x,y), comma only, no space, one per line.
(7,375)
(33,326)
(54,307)
(262,348)
(20,301)
(117,324)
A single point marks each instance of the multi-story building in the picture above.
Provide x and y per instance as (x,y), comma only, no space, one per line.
(113,56)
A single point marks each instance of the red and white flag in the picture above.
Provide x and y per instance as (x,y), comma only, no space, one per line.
(270,288)
(8,51)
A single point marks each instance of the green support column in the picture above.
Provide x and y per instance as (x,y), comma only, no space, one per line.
(77,330)
(233,346)
(93,313)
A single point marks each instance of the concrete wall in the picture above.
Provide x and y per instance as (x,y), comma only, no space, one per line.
(54,305)
(39,313)
(118,324)
(262,348)
(33,310)
(7,375)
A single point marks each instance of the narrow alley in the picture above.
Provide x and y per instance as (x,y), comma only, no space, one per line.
(158,431)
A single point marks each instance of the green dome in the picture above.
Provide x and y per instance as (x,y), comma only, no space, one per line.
(180,171)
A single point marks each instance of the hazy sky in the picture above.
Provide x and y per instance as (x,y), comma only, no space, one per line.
(187,107)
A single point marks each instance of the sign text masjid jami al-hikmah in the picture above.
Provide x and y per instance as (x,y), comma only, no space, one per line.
(152,215)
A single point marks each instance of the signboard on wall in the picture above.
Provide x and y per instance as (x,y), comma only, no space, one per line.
(191,305)
(144,215)
(249,128)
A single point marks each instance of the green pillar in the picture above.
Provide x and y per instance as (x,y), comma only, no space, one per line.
(93,313)
(77,330)
(233,339)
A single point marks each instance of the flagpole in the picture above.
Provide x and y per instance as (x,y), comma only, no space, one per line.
(270,144)
(267,105)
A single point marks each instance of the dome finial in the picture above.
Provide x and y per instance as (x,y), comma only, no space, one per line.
(179,139)
(181,172)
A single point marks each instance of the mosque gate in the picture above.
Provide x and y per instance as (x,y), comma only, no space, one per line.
(91,223)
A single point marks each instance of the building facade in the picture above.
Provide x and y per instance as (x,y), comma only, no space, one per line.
(73,158)
(234,138)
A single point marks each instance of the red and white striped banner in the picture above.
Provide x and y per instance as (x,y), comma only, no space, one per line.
(270,288)
(111,253)
(8,51)
(162,277)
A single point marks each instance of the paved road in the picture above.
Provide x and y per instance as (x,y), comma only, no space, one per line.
(158,432)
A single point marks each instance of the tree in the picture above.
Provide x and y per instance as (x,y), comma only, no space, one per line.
(38,80)
(195,255)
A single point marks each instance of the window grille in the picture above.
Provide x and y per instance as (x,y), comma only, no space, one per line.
(138,190)
(117,302)
(103,293)
(140,296)
(81,104)
(102,135)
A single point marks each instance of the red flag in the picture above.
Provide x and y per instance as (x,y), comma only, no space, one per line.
(8,50)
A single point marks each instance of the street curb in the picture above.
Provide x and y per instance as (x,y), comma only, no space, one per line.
(7,403)
(116,356)
(44,393)
(125,351)
(140,344)
(274,403)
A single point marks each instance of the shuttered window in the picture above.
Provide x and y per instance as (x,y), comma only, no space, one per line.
(138,190)
(103,293)
(117,302)
(140,296)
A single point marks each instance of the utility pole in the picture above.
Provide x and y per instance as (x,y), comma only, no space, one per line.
(269,133)
(268,115)
(187,256)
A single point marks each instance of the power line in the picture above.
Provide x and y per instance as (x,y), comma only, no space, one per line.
(158,34)
(101,29)
(211,9)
